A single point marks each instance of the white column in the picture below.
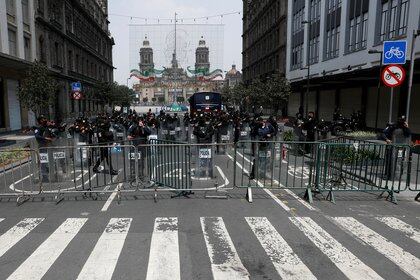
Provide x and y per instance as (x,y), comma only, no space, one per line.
(32,28)
(19,33)
(343,28)
(289,36)
(323,18)
(374,6)
(4,37)
(306,37)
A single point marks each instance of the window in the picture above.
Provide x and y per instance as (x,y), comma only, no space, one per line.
(315,15)
(25,13)
(41,6)
(77,63)
(70,60)
(297,34)
(42,54)
(12,43)
(27,48)
(358,24)
(394,19)
(11,8)
(333,22)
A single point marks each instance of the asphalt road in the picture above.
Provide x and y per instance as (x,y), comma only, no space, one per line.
(278,236)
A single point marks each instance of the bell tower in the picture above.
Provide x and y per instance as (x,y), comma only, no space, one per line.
(202,56)
(146,56)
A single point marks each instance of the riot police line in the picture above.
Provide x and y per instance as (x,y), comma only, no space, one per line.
(127,152)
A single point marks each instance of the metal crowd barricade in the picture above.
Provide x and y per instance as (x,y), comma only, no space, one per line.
(19,174)
(415,169)
(362,167)
(61,173)
(263,169)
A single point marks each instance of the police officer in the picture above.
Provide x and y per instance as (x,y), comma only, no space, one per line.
(138,133)
(105,136)
(44,138)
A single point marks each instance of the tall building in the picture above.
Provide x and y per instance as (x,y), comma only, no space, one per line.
(342,73)
(73,40)
(233,77)
(146,57)
(264,38)
(17,51)
(202,56)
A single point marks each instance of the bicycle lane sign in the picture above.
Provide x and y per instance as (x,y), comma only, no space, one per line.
(394,52)
(393,75)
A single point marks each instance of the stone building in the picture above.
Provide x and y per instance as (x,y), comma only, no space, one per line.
(264,38)
(233,77)
(17,51)
(174,84)
(73,40)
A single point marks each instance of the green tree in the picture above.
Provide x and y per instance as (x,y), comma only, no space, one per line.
(38,90)
(277,92)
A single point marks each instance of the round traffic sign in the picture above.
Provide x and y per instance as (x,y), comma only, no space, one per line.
(393,75)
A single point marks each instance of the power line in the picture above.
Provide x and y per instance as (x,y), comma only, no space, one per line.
(178,19)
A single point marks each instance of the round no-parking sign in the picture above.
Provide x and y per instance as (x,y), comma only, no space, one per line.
(393,75)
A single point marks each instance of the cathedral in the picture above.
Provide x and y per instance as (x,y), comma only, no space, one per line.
(174,84)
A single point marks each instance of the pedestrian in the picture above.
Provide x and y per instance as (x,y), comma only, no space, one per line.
(398,134)
(265,134)
(44,138)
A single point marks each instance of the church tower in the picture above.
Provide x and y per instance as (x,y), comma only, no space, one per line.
(202,56)
(146,57)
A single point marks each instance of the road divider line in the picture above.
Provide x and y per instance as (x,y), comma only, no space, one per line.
(397,224)
(47,253)
(225,179)
(104,257)
(111,198)
(286,262)
(406,261)
(164,262)
(225,262)
(275,198)
(16,233)
(349,264)
(306,204)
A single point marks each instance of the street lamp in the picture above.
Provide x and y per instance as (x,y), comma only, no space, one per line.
(308,67)
(416,33)
(372,51)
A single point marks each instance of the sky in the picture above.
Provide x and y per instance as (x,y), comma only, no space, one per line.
(165,9)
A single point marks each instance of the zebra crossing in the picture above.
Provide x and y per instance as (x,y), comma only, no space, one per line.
(224,258)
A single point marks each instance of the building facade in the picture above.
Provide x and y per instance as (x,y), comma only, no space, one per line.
(264,38)
(334,37)
(233,77)
(174,84)
(17,51)
(73,40)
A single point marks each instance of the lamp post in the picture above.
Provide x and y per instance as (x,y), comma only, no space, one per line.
(379,85)
(416,33)
(308,67)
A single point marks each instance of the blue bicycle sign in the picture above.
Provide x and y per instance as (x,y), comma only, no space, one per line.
(394,52)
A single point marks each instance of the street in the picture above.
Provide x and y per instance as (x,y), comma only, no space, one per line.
(278,236)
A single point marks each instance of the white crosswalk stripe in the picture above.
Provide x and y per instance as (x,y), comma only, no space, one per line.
(286,262)
(348,263)
(16,233)
(45,255)
(103,259)
(164,262)
(225,262)
(397,224)
(405,260)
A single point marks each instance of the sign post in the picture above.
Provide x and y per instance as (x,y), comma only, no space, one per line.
(393,76)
